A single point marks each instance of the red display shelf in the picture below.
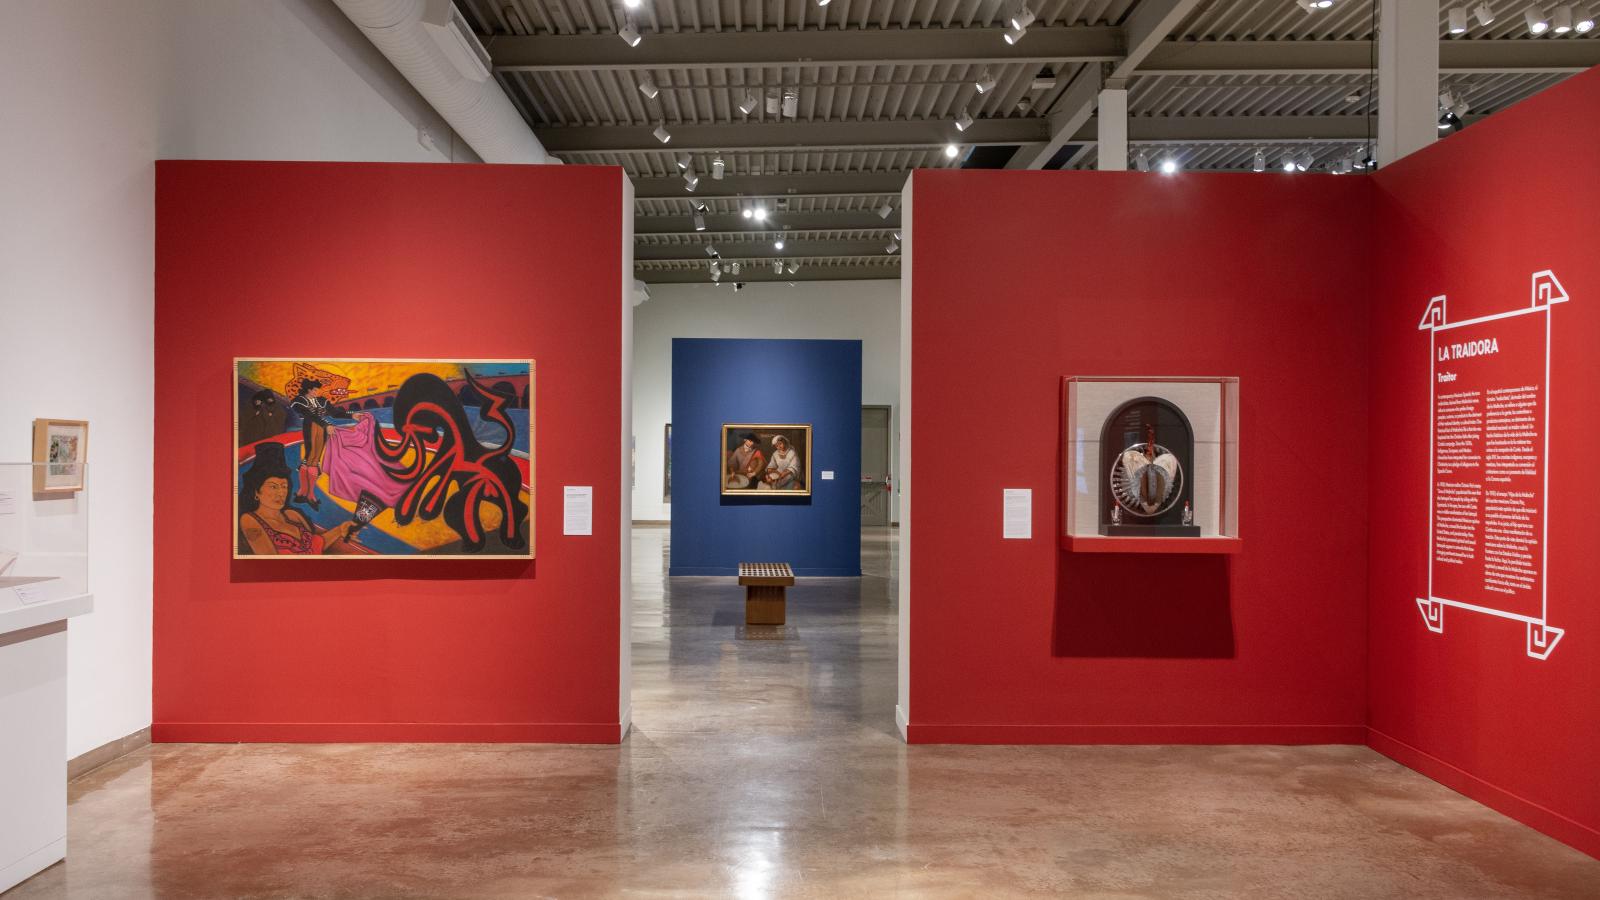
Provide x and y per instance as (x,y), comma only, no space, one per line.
(1099,544)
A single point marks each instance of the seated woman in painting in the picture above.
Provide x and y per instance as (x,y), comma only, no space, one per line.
(745,462)
(783,471)
(269,526)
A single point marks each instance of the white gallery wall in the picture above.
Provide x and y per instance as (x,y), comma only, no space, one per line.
(91,94)
(868,311)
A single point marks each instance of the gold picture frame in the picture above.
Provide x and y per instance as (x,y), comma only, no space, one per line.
(765,478)
(60,451)
(238,402)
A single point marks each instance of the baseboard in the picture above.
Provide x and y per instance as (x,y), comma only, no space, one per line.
(652,523)
(731,571)
(917,733)
(901,721)
(1572,833)
(387,732)
(625,724)
(32,864)
(87,762)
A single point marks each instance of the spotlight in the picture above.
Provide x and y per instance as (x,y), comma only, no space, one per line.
(710,250)
(885,211)
(1584,25)
(1538,22)
(793,268)
(964,121)
(1169,166)
(733,268)
(716,275)
(1460,108)
(759,213)
(647,87)
(1289,164)
(777,244)
(897,235)
(1458,20)
(1014,34)
(951,151)
(661,133)
(1561,22)
(892,247)
(699,222)
(985,82)
(748,104)
(629,34)
(631,4)
(1314,5)
(791,102)
(717,167)
(691,181)
(1141,163)
(777,267)
(1485,14)
(1022,18)
(823,2)
(683,160)
(745,211)
(774,101)
(1258,163)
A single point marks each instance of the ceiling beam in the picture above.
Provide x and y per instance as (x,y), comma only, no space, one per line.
(1146,29)
(785,221)
(1071,114)
(806,48)
(817,184)
(810,272)
(733,137)
(1147,129)
(744,250)
(1456,57)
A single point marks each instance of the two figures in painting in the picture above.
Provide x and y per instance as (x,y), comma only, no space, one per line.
(384,458)
(765,458)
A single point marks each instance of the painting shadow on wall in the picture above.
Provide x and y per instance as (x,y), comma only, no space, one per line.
(1146,606)
(268,571)
(765,498)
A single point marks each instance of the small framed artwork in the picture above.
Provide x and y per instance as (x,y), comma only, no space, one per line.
(766,460)
(62,445)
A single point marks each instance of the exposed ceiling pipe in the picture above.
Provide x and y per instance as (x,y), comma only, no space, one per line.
(432,46)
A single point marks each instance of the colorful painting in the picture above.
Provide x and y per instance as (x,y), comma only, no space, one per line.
(341,458)
(60,445)
(766,460)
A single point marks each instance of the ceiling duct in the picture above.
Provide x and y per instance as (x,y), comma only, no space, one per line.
(430,44)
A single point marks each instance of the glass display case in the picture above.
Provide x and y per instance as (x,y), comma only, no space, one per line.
(1150,464)
(44,541)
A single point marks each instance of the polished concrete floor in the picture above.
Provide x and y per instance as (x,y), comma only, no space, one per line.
(771,768)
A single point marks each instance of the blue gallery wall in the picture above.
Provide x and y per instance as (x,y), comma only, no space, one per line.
(718,381)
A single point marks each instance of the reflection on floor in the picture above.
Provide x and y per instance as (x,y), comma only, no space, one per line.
(772,769)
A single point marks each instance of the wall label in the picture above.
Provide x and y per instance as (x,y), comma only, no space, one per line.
(1488,413)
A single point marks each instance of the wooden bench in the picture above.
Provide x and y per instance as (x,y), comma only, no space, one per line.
(764,585)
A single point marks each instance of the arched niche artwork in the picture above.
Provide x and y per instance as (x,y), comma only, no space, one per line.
(1147,471)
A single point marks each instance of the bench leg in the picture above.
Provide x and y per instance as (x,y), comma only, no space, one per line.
(763,605)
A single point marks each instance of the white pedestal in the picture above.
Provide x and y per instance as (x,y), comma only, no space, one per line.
(33,723)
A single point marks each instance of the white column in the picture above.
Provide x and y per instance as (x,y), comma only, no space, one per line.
(1408,77)
(1113,125)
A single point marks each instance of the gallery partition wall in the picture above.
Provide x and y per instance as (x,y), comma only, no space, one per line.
(378,331)
(1407,376)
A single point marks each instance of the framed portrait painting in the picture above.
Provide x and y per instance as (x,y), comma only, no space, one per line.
(62,446)
(352,458)
(766,460)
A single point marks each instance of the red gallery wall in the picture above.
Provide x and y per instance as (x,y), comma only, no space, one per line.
(373,260)
(1020,278)
(1472,218)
